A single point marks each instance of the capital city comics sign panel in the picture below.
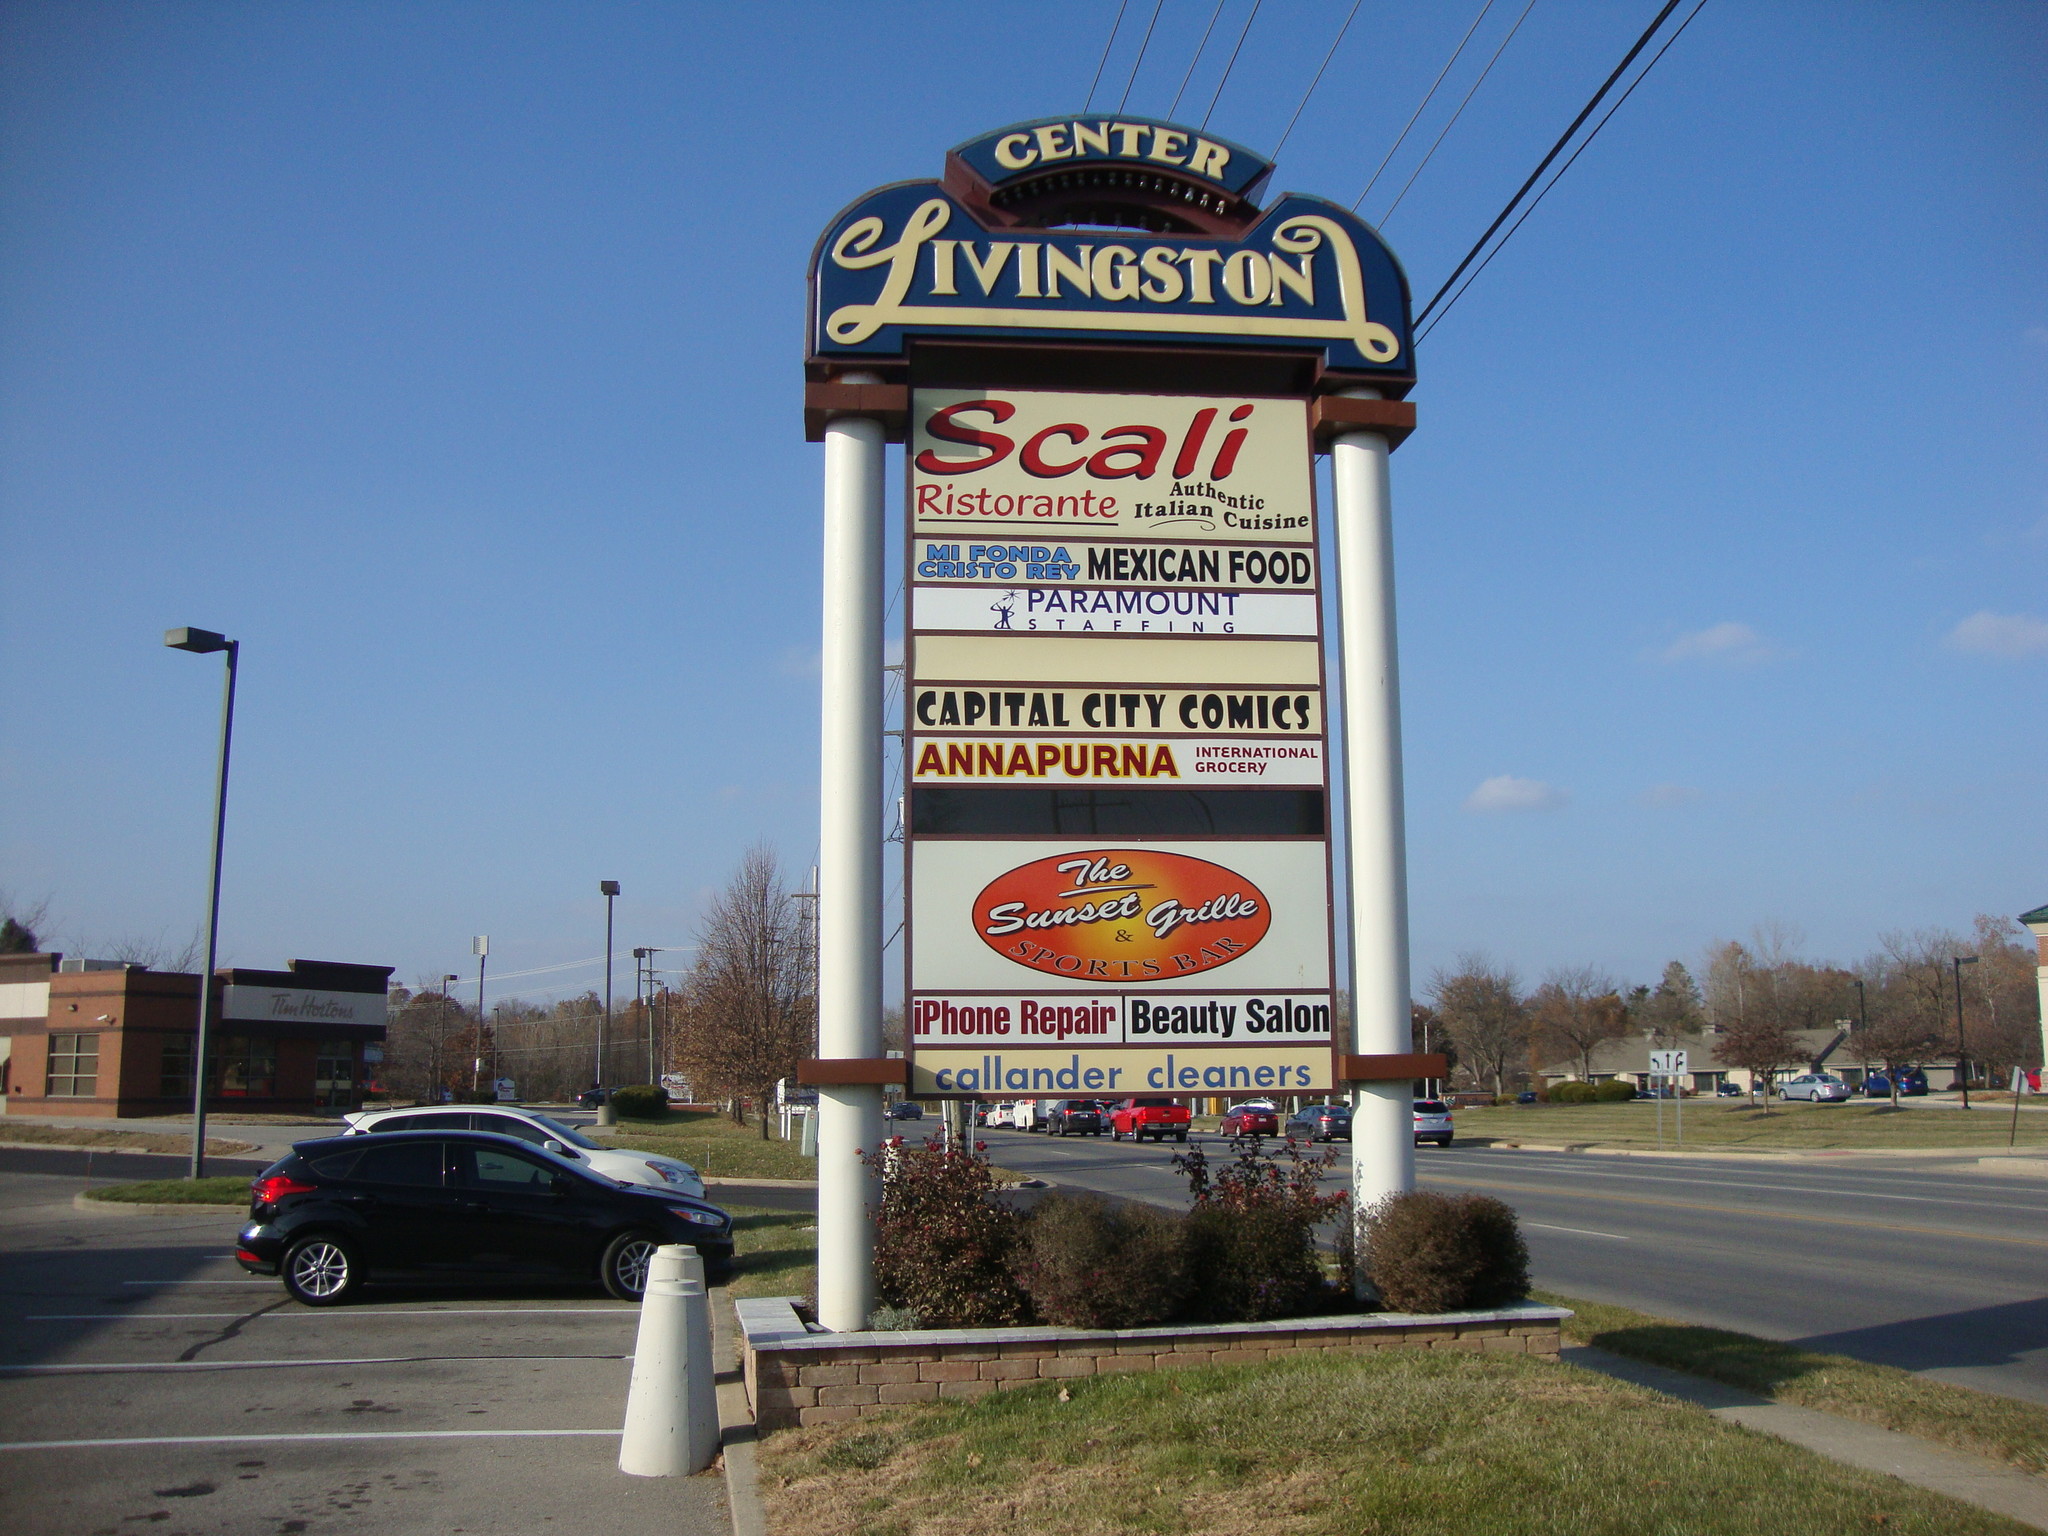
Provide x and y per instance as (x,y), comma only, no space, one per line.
(1222,710)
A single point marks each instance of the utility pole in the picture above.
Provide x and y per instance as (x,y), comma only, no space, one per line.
(609,890)
(480,946)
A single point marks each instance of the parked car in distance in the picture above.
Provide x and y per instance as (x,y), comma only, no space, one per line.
(1319,1122)
(1027,1115)
(1911,1084)
(564,1141)
(906,1111)
(1727,1090)
(1157,1118)
(1254,1119)
(1528,1096)
(1432,1122)
(1074,1117)
(337,1212)
(997,1117)
(594,1098)
(978,1113)
(1815,1088)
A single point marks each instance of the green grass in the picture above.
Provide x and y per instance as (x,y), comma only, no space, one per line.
(1740,1126)
(14,1133)
(1998,1427)
(776,1252)
(1410,1441)
(709,1142)
(217,1191)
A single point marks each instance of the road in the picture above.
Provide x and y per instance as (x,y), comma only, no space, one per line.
(146,1383)
(1917,1264)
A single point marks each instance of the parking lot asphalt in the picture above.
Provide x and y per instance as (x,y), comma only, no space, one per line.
(1931,1265)
(146,1383)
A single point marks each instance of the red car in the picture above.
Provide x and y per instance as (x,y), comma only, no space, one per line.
(1252,1120)
(1157,1118)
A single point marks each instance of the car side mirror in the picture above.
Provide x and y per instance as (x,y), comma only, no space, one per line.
(554,1146)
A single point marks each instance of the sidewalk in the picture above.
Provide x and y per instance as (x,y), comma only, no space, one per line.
(2002,1490)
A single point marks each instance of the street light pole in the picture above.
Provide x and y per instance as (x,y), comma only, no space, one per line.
(480,946)
(204,642)
(609,889)
(1962,1052)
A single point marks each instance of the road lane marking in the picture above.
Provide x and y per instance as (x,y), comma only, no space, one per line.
(114,1367)
(385,1434)
(1581,1231)
(1790,1189)
(1735,1210)
(242,1280)
(110,1317)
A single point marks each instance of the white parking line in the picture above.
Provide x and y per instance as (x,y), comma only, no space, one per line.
(387,1434)
(1580,1231)
(241,1280)
(123,1317)
(114,1367)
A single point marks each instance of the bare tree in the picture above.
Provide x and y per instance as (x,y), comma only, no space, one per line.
(749,1014)
(1578,1008)
(1480,1006)
(19,924)
(1762,1046)
(2003,998)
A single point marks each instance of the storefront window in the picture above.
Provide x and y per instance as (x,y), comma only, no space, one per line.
(176,1079)
(247,1068)
(334,1075)
(74,1066)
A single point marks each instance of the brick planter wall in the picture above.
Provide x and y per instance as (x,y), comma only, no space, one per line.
(797,1377)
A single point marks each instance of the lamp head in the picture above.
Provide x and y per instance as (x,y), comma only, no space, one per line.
(607,887)
(201,641)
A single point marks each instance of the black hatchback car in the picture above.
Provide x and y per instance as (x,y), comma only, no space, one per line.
(460,1205)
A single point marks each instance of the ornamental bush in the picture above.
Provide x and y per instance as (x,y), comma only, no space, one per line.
(1573,1092)
(943,1247)
(1251,1238)
(640,1101)
(1426,1252)
(1086,1263)
(1615,1090)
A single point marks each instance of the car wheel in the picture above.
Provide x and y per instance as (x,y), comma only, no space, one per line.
(321,1271)
(1181,1136)
(623,1269)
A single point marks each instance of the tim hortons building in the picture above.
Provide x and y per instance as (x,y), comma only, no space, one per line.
(97,1037)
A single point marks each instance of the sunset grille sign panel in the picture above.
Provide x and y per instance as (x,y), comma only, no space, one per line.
(1119,873)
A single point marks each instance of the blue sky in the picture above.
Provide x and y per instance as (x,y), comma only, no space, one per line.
(448,356)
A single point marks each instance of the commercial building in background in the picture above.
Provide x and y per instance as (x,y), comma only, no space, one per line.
(100,1037)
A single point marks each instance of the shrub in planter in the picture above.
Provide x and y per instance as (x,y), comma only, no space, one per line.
(943,1246)
(1573,1092)
(1086,1263)
(1615,1091)
(1251,1250)
(1426,1252)
(640,1101)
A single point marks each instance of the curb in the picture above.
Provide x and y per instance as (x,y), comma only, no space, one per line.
(712,1178)
(84,1202)
(234,1148)
(736,1433)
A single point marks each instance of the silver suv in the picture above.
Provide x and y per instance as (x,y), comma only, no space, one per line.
(644,1168)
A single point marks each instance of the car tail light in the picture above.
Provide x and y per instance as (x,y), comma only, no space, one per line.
(247,1257)
(273,1189)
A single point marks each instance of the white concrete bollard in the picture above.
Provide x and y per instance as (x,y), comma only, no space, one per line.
(672,1403)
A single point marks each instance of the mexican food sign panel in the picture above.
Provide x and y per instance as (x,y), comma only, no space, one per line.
(1116,748)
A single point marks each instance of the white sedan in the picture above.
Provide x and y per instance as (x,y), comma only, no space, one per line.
(1815,1088)
(648,1169)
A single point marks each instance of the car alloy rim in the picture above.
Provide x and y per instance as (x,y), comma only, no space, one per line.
(632,1265)
(320,1269)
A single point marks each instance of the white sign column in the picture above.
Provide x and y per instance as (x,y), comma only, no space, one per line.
(1382,1126)
(850,862)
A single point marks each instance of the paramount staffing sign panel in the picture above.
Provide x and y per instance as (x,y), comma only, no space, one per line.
(1119,870)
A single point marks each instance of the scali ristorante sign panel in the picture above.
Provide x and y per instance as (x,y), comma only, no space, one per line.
(1115,733)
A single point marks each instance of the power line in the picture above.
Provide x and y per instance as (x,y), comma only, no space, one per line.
(1429,154)
(1143,47)
(1115,27)
(1555,150)
(1227,68)
(1537,200)
(1349,16)
(1200,48)
(1427,97)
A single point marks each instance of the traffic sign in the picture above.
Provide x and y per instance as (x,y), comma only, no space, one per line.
(1667,1063)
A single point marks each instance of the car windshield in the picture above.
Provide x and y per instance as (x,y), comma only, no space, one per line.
(569,1134)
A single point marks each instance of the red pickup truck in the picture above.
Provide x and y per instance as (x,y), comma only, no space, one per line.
(1157,1118)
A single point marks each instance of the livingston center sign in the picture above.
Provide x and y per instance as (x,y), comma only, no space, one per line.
(1112,370)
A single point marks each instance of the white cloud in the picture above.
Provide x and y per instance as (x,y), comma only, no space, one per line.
(1505,792)
(1660,795)
(1731,643)
(2008,636)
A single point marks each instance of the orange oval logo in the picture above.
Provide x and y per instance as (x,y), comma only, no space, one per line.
(1121,915)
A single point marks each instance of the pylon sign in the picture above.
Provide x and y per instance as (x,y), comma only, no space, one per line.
(1110,366)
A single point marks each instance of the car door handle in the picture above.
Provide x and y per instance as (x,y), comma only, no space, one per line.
(361,1200)
(474,1207)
